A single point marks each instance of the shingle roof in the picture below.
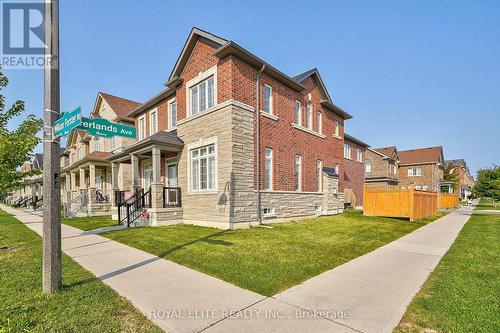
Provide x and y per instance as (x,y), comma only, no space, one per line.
(388,151)
(353,139)
(421,155)
(459,162)
(121,106)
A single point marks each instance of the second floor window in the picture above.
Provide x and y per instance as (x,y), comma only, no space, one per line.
(414,172)
(268,99)
(97,144)
(347,151)
(172,115)
(298,113)
(80,153)
(368,166)
(359,155)
(142,128)
(309,115)
(202,96)
(112,143)
(319,126)
(337,128)
(269,168)
(153,122)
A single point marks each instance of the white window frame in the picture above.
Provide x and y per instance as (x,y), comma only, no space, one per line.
(368,165)
(298,177)
(319,173)
(200,144)
(112,143)
(153,115)
(337,128)
(319,120)
(347,151)
(268,186)
(141,127)
(202,76)
(170,103)
(359,155)
(97,144)
(414,172)
(270,107)
(298,113)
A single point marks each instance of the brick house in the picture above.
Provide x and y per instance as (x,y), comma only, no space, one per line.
(32,186)
(465,180)
(86,174)
(200,140)
(354,171)
(421,168)
(381,166)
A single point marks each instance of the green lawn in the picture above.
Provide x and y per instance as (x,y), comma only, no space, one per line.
(83,305)
(486,204)
(269,260)
(90,223)
(463,293)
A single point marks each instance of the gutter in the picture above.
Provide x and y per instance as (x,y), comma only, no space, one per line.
(257,112)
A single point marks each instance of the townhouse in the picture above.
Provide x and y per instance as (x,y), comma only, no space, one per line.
(231,141)
(465,180)
(421,168)
(354,171)
(31,192)
(86,173)
(381,166)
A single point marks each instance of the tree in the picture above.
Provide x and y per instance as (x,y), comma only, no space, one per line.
(16,147)
(451,175)
(488,183)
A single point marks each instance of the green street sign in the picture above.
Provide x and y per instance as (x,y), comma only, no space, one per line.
(105,128)
(68,121)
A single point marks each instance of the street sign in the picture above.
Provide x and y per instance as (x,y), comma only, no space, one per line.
(105,128)
(69,120)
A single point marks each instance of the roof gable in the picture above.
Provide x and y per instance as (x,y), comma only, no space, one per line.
(314,74)
(120,106)
(188,47)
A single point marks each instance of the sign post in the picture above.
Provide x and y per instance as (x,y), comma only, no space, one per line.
(51,155)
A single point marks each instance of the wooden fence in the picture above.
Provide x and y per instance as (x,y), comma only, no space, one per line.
(446,200)
(399,202)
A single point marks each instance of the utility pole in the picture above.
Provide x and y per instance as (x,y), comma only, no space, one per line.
(51,154)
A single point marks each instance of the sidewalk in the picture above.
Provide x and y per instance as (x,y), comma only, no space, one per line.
(371,292)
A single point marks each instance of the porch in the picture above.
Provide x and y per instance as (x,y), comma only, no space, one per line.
(154,197)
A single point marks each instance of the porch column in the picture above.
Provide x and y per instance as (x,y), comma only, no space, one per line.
(156,186)
(82,179)
(114,183)
(92,186)
(135,171)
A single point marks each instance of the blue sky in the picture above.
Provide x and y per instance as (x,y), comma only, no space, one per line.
(412,73)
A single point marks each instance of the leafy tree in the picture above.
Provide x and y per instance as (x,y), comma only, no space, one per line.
(451,175)
(488,183)
(16,147)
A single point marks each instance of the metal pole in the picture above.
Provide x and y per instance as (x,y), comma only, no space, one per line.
(51,154)
(257,134)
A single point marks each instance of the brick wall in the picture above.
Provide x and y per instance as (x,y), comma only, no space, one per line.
(354,173)
(432,174)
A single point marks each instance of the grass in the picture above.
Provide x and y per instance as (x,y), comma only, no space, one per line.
(463,293)
(486,204)
(90,223)
(265,260)
(83,305)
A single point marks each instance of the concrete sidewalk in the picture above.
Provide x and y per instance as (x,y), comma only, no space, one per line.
(367,294)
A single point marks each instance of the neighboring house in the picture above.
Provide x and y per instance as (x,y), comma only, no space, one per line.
(197,150)
(381,167)
(421,168)
(32,186)
(354,171)
(465,180)
(84,167)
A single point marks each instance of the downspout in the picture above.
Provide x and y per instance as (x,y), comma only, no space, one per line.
(257,122)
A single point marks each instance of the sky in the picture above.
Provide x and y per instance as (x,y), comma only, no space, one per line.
(412,73)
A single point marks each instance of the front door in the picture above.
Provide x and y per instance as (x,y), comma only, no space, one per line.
(147,176)
(172,175)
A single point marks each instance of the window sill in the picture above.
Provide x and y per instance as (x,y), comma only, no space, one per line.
(207,192)
(337,137)
(307,130)
(269,115)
